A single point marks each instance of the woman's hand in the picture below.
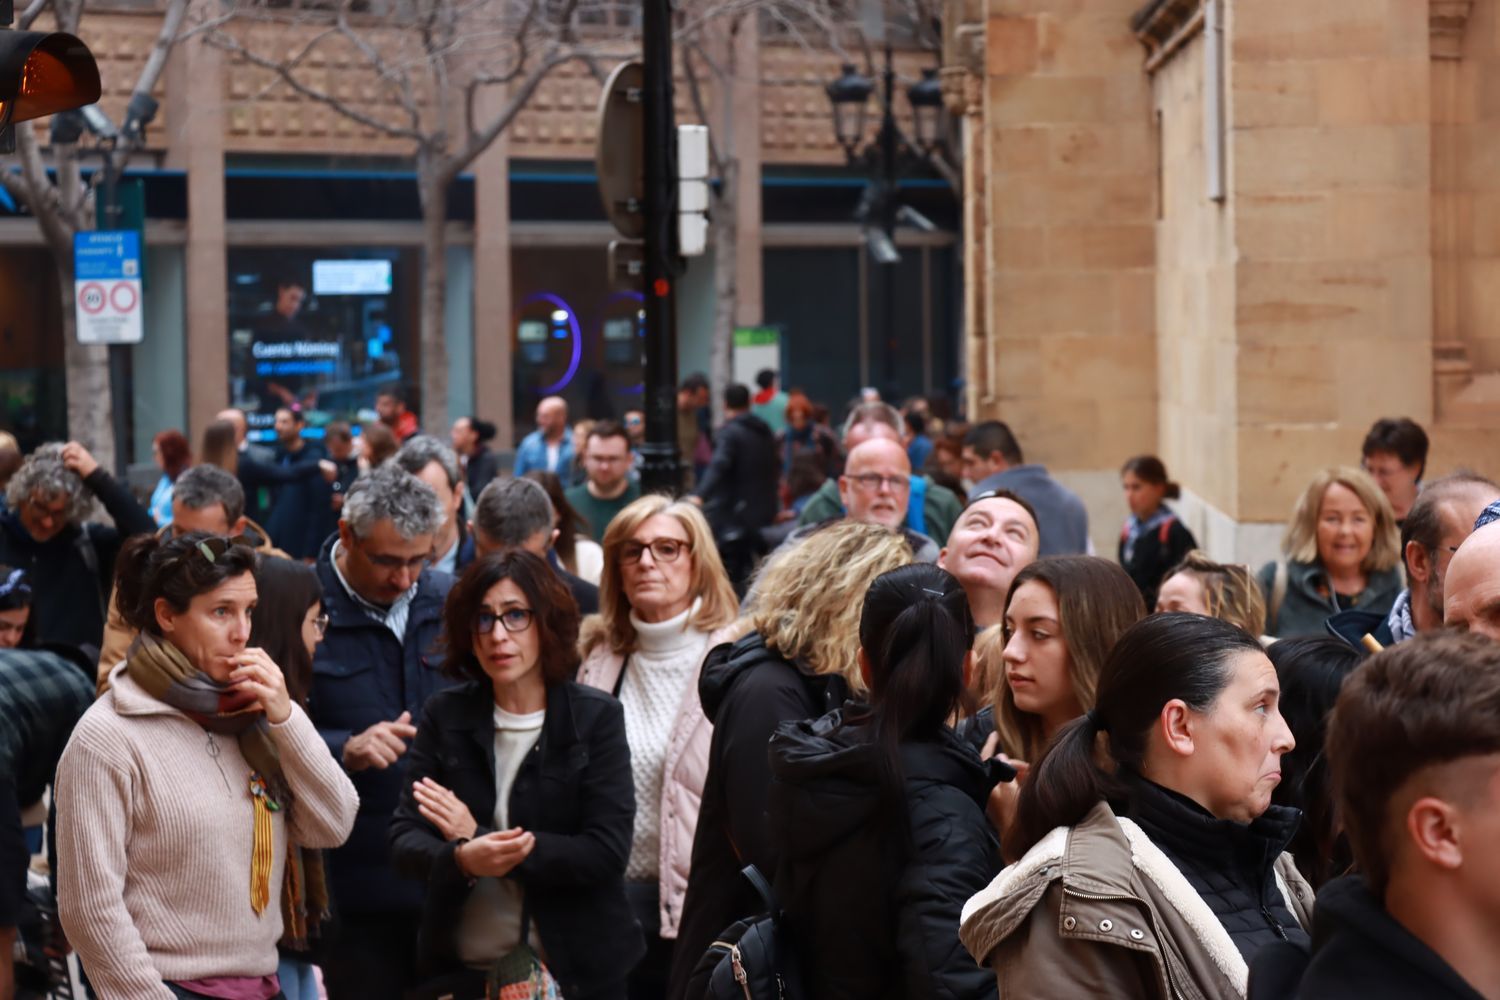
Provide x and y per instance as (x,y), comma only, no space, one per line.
(444,810)
(1001,807)
(261,677)
(495,854)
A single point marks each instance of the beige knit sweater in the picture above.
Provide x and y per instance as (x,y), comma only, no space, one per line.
(154,838)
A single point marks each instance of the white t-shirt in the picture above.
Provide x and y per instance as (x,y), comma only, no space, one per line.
(491,925)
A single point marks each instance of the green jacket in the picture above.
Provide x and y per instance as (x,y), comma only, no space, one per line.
(940,509)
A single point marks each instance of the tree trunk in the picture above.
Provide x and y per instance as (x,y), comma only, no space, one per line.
(88,390)
(434,348)
(726,284)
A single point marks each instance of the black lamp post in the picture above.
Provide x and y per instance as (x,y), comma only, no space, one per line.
(889,156)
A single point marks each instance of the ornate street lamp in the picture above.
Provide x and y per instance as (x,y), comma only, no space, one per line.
(886,158)
(850,95)
(926,98)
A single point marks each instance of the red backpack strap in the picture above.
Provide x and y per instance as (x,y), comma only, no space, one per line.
(1164,531)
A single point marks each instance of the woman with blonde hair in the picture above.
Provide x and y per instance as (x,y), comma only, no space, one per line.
(1342,550)
(1228,591)
(799,660)
(664,600)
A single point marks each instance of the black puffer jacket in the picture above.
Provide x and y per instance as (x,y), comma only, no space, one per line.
(1231,865)
(873,897)
(747,690)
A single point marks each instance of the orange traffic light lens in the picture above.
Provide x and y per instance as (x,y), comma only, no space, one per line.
(56,73)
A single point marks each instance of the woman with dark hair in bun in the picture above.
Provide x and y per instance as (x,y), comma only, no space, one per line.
(186,786)
(879,809)
(519,804)
(1153,862)
(1153,539)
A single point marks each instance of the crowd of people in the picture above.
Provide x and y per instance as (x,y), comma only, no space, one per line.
(371,714)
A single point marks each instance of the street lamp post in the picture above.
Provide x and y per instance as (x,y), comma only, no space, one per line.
(885,159)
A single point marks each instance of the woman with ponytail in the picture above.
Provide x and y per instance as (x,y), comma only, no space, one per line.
(187,787)
(1153,539)
(879,808)
(1153,863)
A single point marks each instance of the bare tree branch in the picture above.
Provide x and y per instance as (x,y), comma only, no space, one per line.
(480,141)
(286,72)
(30,14)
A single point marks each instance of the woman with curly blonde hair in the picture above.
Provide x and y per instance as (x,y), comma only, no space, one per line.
(664,601)
(798,659)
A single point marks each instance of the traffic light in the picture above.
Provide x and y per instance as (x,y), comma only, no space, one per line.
(42,73)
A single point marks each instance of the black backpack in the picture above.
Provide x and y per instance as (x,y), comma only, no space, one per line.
(751,959)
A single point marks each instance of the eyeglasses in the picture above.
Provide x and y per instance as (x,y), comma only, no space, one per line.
(393,563)
(321,624)
(663,550)
(871,482)
(511,619)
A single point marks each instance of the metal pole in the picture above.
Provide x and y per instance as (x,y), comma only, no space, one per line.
(118,358)
(661,469)
(888,217)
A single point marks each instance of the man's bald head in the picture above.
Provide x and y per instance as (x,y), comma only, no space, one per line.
(236,418)
(876,483)
(552,416)
(1471,590)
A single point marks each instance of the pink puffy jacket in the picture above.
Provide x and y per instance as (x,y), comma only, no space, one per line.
(682,785)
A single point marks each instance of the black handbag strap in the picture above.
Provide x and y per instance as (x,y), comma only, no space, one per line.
(762,889)
(620,680)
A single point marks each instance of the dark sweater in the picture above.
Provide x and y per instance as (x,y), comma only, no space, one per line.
(1359,952)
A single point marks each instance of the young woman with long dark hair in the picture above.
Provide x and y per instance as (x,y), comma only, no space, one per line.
(288,624)
(879,809)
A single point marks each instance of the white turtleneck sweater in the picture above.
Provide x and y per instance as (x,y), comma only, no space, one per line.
(658,674)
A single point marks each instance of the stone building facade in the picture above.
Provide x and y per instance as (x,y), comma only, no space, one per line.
(1233,233)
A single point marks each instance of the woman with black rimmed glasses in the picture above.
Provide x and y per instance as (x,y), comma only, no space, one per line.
(518,803)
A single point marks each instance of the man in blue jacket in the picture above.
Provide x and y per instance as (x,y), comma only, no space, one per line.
(372,674)
(550,446)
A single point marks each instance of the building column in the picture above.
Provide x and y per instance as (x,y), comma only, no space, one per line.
(749,278)
(195,144)
(492,278)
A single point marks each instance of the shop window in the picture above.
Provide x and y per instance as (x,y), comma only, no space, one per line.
(322,330)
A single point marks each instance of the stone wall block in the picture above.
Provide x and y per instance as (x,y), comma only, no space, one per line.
(1102,247)
(1010,46)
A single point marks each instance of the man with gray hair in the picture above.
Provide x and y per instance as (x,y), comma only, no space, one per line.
(372,674)
(517,514)
(931,509)
(436,464)
(70,562)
